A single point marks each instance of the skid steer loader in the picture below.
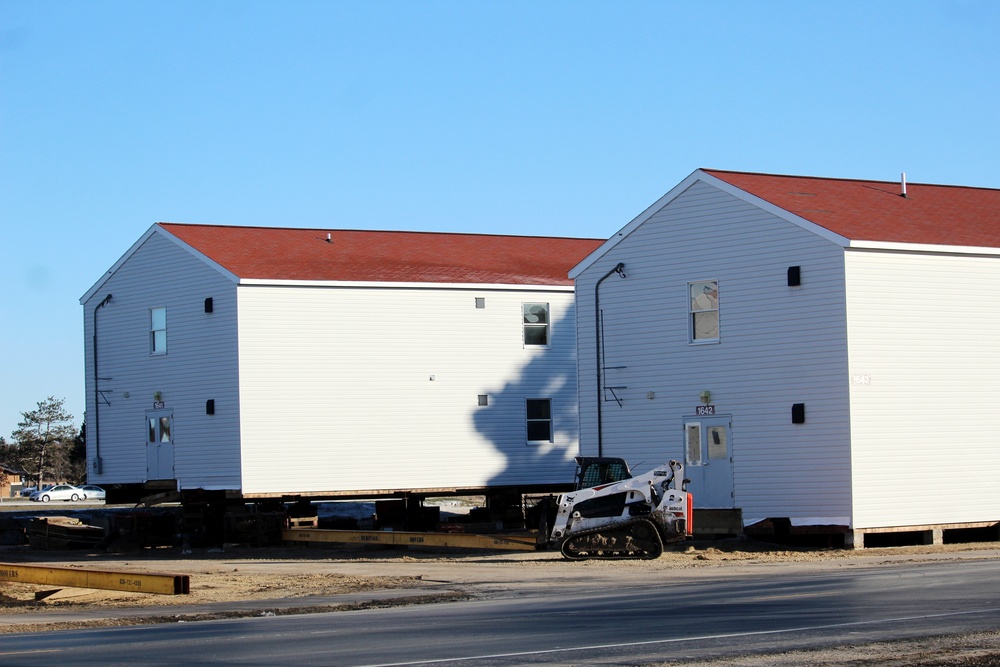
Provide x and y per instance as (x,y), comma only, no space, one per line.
(613,515)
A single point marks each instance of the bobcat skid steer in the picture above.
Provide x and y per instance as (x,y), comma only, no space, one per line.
(622,516)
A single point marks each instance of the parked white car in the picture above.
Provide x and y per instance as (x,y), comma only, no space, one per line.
(93,492)
(66,492)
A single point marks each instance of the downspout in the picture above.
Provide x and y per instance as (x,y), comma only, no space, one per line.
(620,270)
(97,393)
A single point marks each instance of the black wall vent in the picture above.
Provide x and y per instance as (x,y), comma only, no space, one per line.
(798,413)
(794,276)
(210,406)
(209,306)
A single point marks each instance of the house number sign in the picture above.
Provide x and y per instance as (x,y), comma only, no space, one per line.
(704,410)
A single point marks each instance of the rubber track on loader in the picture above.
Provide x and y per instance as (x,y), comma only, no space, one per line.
(636,539)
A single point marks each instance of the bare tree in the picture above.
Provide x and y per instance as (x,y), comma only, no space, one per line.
(44,439)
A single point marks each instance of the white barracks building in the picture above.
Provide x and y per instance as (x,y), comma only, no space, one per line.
(824,354)
(273,362)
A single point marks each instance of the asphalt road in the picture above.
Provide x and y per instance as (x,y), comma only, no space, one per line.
(657,621)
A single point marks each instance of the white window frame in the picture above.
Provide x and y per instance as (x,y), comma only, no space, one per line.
(710,305)
(529,420)
(157,332)
(545,326)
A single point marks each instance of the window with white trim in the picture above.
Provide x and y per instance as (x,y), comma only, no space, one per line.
(693,453)
(704,311)
(536,323)
(539,419)
(158,330)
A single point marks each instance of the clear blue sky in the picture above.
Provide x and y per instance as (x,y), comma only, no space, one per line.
(548,118)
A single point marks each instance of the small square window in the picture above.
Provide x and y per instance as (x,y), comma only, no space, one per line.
(484,399)
(480,302)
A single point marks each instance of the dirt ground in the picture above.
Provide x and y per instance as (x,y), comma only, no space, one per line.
(303,578)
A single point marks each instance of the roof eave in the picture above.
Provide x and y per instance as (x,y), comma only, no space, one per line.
(924,248)
(638,220)
(117,265)
(371,284)
(156,228)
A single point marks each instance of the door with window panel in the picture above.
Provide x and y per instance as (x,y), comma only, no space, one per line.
(159,444)
(708,461)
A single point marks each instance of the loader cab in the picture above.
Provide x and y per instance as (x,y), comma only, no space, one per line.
(594,471)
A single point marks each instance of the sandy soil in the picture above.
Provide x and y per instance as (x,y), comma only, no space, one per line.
(306,574)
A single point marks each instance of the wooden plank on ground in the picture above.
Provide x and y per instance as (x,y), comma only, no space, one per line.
(134,582)
(401,538)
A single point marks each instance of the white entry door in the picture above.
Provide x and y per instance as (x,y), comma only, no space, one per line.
(160,444)
(709,461)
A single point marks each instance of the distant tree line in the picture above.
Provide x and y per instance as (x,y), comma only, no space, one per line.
(47,446)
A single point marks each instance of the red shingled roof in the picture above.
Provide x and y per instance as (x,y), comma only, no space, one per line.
(875,210)
(274,253)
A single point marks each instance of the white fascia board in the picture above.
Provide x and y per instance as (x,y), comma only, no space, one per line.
(154,229)
(114,267)
(405,285)
(630,227)
(925,248)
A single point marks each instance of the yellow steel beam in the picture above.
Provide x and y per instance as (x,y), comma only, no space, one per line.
(135,582)
(399,538)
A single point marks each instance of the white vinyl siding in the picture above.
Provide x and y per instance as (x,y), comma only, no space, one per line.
(333,399)
(201,365)
(782,345)
(924,334)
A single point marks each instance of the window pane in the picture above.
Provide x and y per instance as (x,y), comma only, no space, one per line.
(159,341)
(164,429)
(158,318)
(536,313)
(539,409)
(536,336)
(706,325)
(540,430)
(693,443)
(152,430)
(705,295)
(717,443)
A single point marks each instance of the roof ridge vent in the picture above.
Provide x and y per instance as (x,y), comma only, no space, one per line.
(902,179)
